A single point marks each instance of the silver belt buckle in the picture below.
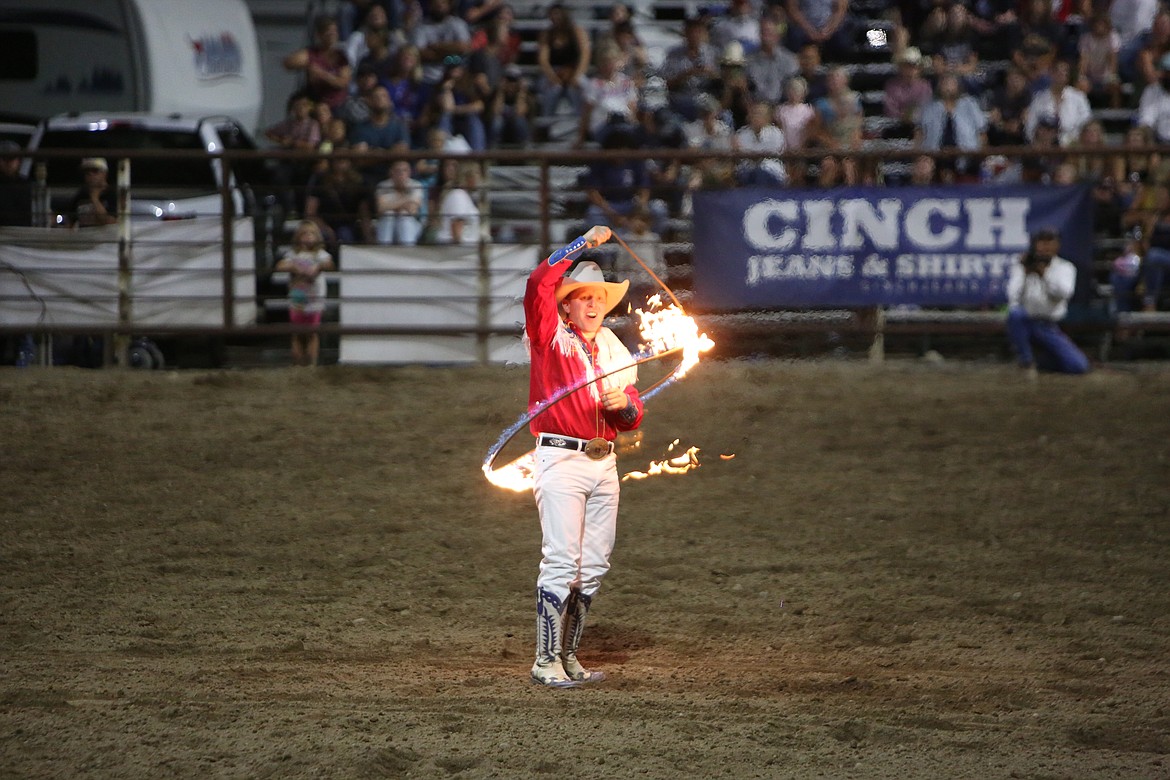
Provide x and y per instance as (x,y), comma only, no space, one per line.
(597,448)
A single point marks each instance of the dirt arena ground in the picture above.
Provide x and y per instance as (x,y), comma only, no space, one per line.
(906,571)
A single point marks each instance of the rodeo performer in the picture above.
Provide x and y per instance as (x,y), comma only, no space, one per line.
(576,480)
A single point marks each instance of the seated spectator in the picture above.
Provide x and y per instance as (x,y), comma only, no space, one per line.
(922,173)
(621,33)
(740,23)
(1136,172)
(399,205)
(457,107)
(994,21)
(1036,22)
(383,131)
(952,121)
(839,113)
(949,38)
(710,133)
(1005,116)
(1154,107)
(771,65)
(407,92)
(617,188)
(659,129)
(498,38)
(1062,102)
(326,67)
(356,107)
(1124,275)
(96,202)
(379,56)
(824,23)
(609,98)
(1040,166)
(1039,288)
(441,35)
(510,111)
(339,200)
(1034,57)
(907,93)
(832,171)
(1133,20)
(563,54)
(809,59)
(760,135)
(459,218)
(298,131)
(374,36)
(1155,46)
(1097,49)
(1098,170)
(647,245)
(689,68)
(731,87)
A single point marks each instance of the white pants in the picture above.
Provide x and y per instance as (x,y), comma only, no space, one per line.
(577,499)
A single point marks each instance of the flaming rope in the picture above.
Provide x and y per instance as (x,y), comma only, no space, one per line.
(666,330)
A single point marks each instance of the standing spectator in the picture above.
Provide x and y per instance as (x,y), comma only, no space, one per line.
(952,121)
(740,23)
(609,98)
(1039,288)
(459,220)
(760,135)
(15,190)
(907,93)
(689,68)
(399,204)
(339,199)
(326,67)
(563,54)
(305,263)
(839,113)
(298,131)
(510,110)
(456,106)
(1098,62)
(1154,107)
(825,23)
(382,131)
(771,65)
(442,35)
(96,202)
(1062,102)
(1009,103)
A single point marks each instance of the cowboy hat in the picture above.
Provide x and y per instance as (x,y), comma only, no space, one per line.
(588,274)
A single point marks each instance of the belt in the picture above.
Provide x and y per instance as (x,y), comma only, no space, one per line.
(596,449)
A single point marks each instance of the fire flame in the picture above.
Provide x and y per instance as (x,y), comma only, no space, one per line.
(679,464)
(662,329)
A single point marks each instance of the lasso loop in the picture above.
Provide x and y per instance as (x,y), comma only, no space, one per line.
(639,359)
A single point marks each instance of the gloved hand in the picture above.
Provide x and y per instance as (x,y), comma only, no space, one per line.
(597,235)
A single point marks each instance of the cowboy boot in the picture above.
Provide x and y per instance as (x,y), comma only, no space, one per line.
(576,608)
(550,613)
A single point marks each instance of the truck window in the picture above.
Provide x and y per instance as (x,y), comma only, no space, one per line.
(159,173)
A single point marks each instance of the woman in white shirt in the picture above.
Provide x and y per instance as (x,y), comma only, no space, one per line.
(458,211)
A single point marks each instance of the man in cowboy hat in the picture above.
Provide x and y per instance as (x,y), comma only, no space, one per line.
(576,481)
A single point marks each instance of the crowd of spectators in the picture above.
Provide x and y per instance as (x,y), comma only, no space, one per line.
(772,76)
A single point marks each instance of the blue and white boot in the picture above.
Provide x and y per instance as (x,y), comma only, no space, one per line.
(576,608)
(550,614)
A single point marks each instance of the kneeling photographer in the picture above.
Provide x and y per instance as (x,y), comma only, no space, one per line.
(1039,289)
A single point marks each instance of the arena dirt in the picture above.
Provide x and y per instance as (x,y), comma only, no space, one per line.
(906,571)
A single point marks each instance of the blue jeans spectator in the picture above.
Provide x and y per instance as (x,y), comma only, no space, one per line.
(1041,343)
(402,229)
(470,126)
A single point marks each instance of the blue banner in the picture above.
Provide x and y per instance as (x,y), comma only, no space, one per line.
(866,246)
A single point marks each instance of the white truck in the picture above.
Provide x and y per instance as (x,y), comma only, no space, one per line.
(196,57)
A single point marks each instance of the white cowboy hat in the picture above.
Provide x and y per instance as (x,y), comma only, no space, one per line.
(588,274)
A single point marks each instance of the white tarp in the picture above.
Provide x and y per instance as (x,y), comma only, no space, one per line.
(70,277)
(433,287)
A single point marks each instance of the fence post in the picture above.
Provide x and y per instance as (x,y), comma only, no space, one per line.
(228,244)
(125,267)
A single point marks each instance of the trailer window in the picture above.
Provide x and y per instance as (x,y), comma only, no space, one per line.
(18,55)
